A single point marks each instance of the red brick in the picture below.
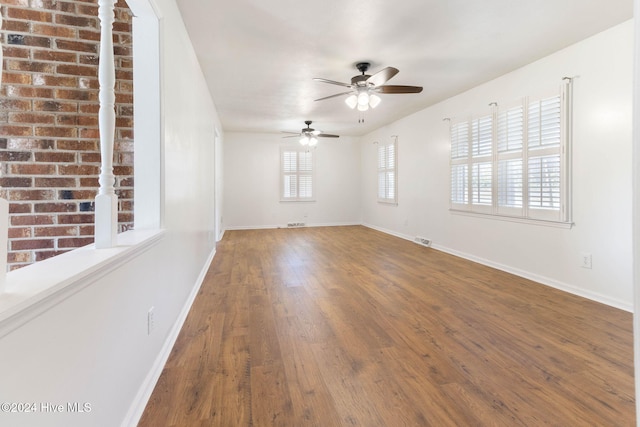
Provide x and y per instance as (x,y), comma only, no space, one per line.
(15,52)
(11,182)
(53,30)
(89,182)
(21,245)
(89,108)
(28,92)
(30,195)
(31,66)
(42,255)
(77,95)
(31,219)
(31,169)
(77,242)
(55,207)
(125,217)
(78,170)
(55,157)
(89,35)
(77,194)
(77,46)
(124,194)
(90,133)
(15,105)
(32,118)
(54,182)
(16,78)
(19,232)
(15,130)
(30,144)
(29,15)
(77,21)
(15,26)
(15,156)
(76,70)
(75,219)
(78,145)
(48,80)
(89,60)
(89,83)
(19,208)
(66,107)
(58,132)
(33,41)
(55,56)
(56,231)
(126,182)
(123,170)
(87,230)
(17,257)
(126,205)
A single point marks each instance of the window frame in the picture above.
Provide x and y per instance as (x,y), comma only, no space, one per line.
(462,161)
(298,173)
(387,193)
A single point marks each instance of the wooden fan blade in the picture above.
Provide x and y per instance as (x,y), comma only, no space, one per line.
(333,82)
(333,96)
(297,135)
(327,135)
(398,89)
(382,76)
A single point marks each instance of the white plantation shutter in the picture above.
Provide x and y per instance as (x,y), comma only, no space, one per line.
(521,154)
(296,174)
(460,139)
(481,184)
(387,164)
(482,136)
(544,158)
(510,160)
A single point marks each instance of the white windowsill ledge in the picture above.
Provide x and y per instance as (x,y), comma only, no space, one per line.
(532,221)
(33,289)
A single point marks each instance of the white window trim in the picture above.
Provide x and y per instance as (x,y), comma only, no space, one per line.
(386,170)
(563,219)
(298,149)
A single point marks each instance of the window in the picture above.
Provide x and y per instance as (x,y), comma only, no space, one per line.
(296,174)
(387,176)
(514,161)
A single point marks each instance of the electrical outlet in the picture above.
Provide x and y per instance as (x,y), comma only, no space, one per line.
(585,260)
(151,320)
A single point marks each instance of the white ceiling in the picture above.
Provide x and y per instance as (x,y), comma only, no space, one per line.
(259,57)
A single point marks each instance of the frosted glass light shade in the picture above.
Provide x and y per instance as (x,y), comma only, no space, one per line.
(374,101)
(351,101)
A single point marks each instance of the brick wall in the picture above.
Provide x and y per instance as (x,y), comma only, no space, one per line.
(49,138)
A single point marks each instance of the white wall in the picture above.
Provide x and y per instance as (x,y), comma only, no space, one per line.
(252,183)
(93,346)
(602,67)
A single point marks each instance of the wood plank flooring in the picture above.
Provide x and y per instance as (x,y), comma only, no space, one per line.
(347,326)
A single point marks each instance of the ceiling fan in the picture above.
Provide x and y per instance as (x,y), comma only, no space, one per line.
(309,136)
(363,88)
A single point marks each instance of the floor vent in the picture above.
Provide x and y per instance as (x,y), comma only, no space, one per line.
(295,224)
(423,241)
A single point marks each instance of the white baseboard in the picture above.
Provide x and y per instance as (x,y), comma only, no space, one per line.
(146,389)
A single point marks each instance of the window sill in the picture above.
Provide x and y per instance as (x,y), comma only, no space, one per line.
(531,221)
(298,201)
(34,289)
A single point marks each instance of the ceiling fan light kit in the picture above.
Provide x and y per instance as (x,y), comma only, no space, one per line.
(309,136)
(364,87)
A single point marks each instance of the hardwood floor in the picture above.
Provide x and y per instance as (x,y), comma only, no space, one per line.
(347,326)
